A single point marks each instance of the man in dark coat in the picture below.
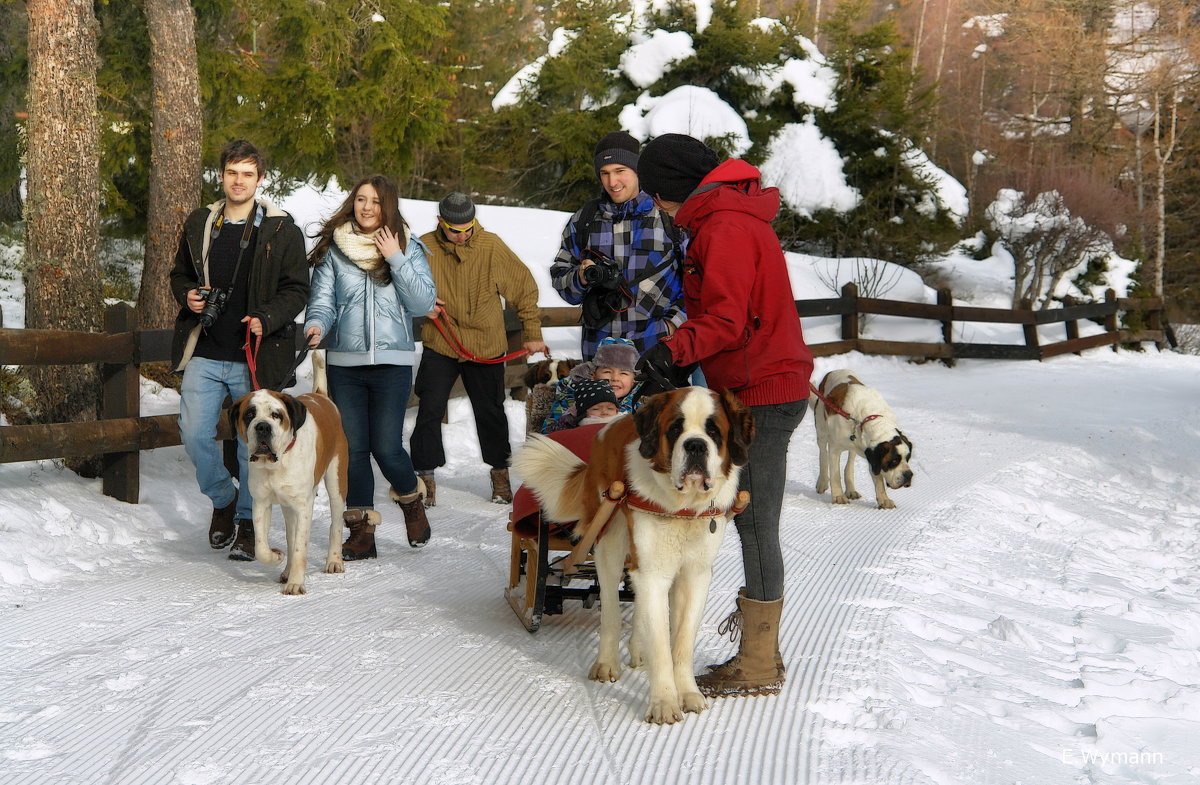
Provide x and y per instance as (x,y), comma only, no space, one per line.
(241,278)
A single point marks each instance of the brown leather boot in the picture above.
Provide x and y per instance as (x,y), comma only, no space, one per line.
(361,542)
(415,523)
(757,668)
(243,544)
(221,529)
(425,480)
(501,490)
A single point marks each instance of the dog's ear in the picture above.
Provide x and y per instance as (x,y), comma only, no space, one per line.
(874,455)
(906,441)
(296,411)
(533,374)
(741,428)
(645,420)
(233,413)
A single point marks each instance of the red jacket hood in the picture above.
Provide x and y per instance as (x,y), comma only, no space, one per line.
(732,185)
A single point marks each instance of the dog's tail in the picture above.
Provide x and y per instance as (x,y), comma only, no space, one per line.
(320,380)
(555,475)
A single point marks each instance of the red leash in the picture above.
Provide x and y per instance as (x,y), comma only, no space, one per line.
(252,356)
(833,407)
(465,353)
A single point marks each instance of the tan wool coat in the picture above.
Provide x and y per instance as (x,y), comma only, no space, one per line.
(472,279)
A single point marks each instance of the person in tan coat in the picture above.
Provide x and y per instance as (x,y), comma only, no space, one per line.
(475,273)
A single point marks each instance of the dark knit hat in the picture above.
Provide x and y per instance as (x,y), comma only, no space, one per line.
(616,353)
(672,166)
(590,392)
(617,148)
(457,208)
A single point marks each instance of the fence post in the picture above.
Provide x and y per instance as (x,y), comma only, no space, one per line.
(1072,325)
(1030,330)
(119,399)
(1110,321)
(946,298)
(850,320)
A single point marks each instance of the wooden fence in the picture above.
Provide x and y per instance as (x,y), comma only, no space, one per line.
(121,433)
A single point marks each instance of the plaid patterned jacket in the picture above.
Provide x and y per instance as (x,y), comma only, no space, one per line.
(634,234)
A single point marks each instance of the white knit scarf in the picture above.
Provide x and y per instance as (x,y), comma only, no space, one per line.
(359,248)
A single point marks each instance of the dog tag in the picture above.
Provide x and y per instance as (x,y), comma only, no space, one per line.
(712,525)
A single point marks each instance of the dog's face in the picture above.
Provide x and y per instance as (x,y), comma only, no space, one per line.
(267,421)
(694,435)
(548,371)
(889,459)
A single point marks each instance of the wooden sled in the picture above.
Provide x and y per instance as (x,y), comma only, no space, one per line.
(546,566)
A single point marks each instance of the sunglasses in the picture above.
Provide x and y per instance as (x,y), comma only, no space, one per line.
(452,230)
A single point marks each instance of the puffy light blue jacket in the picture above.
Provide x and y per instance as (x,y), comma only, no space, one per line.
(366,323)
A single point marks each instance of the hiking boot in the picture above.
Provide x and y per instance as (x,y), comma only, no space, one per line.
(220,529)
(501,491)
(426,479)
(361,542)
(416,525)
(757,668)
(243,544)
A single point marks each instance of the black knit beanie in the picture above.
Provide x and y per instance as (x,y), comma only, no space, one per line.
(617,148)
(672,166)
(590,392)
(456,208)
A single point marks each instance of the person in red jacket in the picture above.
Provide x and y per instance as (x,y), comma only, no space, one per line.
(743,331)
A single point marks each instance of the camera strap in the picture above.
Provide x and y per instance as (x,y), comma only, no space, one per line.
(243,244)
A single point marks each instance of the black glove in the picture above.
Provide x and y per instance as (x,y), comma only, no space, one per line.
(658,371)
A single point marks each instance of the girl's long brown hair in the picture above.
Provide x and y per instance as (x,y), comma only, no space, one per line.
(389,202)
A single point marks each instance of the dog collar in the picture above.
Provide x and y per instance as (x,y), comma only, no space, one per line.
(639,502)
(292,444)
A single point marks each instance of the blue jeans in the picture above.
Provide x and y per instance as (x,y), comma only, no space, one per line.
(205,384)
(372,400)
(765,476)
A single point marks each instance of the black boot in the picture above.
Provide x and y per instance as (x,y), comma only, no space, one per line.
(243,544)
(220,529)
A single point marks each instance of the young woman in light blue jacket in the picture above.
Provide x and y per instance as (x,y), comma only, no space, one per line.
(370,278)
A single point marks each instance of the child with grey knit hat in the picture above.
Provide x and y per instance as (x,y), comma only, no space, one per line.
(614,363)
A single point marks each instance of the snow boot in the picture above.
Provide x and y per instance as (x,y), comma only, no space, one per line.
(757,668)
(361,542)
(416,524)
(426,479)
(220,529)
(501,490)
(243,544)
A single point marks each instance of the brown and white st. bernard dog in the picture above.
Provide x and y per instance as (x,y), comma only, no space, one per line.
(293,442)
(680,455)
(867,428)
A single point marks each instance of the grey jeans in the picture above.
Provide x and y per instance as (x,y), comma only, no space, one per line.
(765,476)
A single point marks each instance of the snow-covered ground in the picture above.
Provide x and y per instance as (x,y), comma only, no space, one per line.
(1028,615)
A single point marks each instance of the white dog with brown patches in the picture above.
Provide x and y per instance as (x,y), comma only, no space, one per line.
(852,418)
(293,443)
(680,456)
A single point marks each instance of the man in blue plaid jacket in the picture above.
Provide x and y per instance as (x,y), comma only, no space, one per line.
(620,257)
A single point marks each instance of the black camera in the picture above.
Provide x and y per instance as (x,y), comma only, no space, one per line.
(604,274)
(214,302)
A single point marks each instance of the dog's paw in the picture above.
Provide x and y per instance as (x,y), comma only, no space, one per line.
(602,671)
(822,486)
(840,500)
(664,712)
(335,566)
(293,588)
(636,659)
(887,504)
(273,558)
(694,702)
(853,495)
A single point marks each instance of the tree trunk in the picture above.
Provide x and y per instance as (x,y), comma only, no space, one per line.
(174,151)
(62,285)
